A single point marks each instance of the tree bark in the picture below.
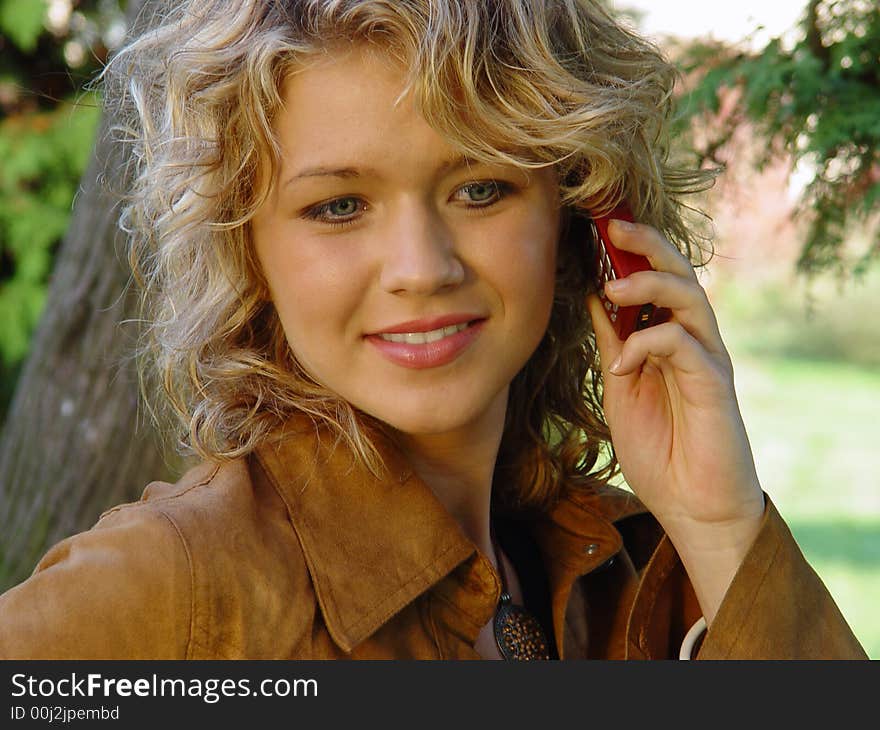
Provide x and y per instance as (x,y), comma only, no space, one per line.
(76,441)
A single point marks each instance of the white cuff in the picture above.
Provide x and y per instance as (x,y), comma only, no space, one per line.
(691,638)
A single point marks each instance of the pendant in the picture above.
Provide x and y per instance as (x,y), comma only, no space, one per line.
(518,633)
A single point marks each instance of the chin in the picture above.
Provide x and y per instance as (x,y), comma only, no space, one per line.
(423,424)
(437,415)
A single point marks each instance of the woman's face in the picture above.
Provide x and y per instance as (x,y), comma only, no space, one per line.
(411,283)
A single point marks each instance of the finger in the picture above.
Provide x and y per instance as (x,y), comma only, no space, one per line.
(649,242)
(669,341)
(606,338)
(684,296)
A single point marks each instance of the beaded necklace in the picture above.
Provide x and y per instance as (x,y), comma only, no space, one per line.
(517,632)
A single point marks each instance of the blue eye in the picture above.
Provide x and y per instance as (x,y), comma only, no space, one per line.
(484,192)
(342,207)
(338,212)
(348,209)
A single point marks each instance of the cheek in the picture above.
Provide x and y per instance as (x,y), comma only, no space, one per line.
(531,266)
(316,291)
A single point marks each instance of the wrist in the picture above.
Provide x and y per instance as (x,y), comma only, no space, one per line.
(697,537)
(711,556)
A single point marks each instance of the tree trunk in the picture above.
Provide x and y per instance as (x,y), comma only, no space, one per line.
(75,441)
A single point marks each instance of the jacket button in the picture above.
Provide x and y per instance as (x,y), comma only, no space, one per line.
(591,549)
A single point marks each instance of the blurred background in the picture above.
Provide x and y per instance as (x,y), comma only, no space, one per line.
(784,95)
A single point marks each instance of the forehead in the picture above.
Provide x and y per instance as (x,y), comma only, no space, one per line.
(346,63)
(353,105)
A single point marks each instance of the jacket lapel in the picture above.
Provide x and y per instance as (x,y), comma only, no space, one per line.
(372,543)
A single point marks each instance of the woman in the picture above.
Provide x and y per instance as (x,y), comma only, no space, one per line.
(373,313)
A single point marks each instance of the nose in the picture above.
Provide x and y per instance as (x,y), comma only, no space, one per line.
(420,255)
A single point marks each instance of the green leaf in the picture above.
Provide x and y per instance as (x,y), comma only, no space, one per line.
(22,21)
(21,304)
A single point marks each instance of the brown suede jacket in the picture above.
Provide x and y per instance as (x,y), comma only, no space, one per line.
(295,552)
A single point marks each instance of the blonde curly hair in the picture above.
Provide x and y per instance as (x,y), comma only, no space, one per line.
(533,83)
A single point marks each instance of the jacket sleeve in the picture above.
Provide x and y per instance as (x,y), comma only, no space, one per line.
(121,590)
(775,608)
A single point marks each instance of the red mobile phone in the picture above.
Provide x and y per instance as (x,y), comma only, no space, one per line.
(612,263)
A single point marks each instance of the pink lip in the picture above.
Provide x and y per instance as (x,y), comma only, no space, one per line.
(430,354)
(427,324)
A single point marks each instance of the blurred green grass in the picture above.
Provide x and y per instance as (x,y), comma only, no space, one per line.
(812,427)
(809,392)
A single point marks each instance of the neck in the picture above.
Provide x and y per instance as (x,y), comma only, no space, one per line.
(458,467)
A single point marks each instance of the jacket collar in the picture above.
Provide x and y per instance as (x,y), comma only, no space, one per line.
(372,545)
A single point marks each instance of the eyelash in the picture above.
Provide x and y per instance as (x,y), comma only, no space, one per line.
(319,212)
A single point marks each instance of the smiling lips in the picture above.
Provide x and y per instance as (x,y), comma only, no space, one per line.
(427,343)
(423,338)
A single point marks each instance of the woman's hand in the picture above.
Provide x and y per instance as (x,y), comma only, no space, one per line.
(670,403)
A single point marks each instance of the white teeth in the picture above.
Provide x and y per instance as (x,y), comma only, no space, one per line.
(423,338)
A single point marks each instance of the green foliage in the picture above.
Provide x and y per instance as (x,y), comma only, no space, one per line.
(47,126)
(44,154)
(816,100)
(22,21)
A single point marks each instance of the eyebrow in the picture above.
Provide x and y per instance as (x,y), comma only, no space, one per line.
(346,173)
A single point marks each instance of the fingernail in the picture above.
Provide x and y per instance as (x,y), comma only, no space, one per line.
(615,366)
(623,225)
(617,285)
